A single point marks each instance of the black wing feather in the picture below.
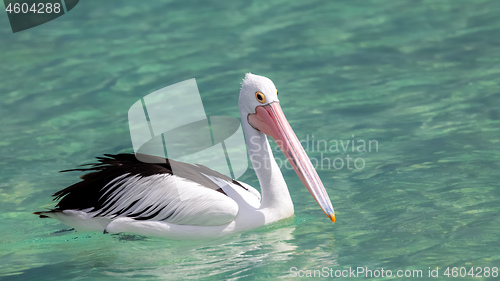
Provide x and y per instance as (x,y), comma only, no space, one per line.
(88,193)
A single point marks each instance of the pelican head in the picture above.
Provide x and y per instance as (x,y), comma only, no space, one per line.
(259,102)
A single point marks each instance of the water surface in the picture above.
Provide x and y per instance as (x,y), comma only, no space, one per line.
(421,78)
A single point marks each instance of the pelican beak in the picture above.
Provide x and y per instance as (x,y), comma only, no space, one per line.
(270,120)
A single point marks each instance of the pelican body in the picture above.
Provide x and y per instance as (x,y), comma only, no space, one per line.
(122,194)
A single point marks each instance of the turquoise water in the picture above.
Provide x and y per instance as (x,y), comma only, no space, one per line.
(421,78)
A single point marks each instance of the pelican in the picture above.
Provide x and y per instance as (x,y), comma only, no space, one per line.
(121,194)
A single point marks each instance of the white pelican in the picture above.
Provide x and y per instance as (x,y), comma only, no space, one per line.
(122,194)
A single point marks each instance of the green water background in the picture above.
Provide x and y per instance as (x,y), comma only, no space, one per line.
(419,77)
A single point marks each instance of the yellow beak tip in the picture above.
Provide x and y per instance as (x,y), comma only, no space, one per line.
(332,217)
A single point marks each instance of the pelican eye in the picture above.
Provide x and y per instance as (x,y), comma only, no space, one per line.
(260,97)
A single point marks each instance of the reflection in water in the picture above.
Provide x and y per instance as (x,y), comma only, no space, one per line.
(122,257)
(232,257)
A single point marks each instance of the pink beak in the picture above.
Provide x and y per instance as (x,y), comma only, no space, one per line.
(270,120)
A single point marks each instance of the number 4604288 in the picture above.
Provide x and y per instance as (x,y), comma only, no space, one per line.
(471,272)
(35,8)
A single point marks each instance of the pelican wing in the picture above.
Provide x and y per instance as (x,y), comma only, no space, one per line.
(121,186)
